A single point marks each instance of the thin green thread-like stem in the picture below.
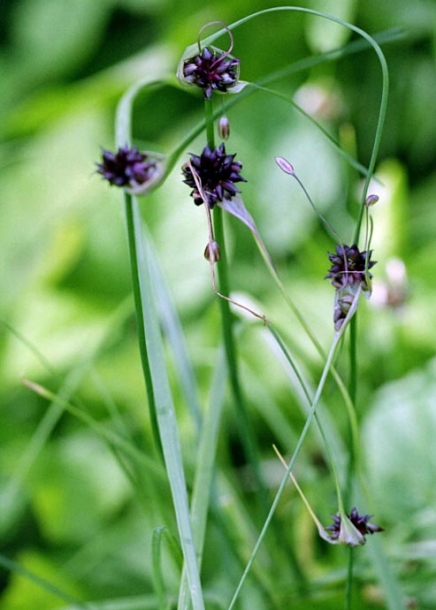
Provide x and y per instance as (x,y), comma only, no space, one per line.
(306,392)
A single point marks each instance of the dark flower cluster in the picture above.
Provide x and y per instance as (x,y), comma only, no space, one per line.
(217,173)
(360,522)
(126,168)
(350,267)
(211,71)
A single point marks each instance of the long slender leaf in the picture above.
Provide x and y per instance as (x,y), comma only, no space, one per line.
(165,411)
(173,330)
(205,467)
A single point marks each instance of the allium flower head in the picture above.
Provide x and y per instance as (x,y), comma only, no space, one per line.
(211,70)
(128,168)
(360,522)
(350,267)
(349,274)
(217,173)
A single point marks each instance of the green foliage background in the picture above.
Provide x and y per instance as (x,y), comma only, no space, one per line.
(67,511)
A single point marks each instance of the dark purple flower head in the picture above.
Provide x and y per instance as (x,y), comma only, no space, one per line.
(211,70)
(360,522)
(350,267)
(216,172)
(128,168)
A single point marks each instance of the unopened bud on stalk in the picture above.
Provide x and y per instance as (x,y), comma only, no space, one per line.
(285,165)
(212,252)
(224,128)
(371,200)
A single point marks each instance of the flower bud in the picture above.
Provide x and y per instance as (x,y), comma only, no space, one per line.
(224,128)
(285,165)
(212,252)
(371,200)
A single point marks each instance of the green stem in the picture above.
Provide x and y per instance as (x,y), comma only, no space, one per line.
(353,359)
(352,390)
(209,117)
(231,354)
(140,318)
(349,584)
(227,326)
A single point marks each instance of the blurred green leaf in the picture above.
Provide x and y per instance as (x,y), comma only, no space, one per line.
(54,37)
(324,35)
(78,486)
(401,456)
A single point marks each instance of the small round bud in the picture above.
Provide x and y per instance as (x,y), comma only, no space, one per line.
(212,252)
(224,128)
(285,165)
(371,200)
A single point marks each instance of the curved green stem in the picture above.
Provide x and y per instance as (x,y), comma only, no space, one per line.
(385,80)
(304,64)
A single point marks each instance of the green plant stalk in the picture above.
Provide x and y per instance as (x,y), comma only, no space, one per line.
(209,120)
(352,457)
(227,327)
(371,168)
(246,436)
(352,389)
(143,350)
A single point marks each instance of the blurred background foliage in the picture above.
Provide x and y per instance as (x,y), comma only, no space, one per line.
(67,510)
